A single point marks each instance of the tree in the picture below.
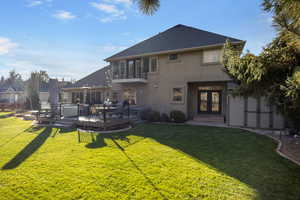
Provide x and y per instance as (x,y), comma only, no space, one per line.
(33,86)
(13,78)
(286,14)
(43,76)
(2,80)
(148,7)
(275,72)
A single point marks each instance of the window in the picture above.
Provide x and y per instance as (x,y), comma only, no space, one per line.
(122,69)
(173,56)
(115,69)
(212,56)
(177,95)
(130,95)
(153,64)
(146,64)
(130,69)
(138,68)
(77,97)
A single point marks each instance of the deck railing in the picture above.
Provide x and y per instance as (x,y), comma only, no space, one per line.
(131,76)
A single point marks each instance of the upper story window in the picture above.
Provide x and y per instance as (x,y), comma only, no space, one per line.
(153,64)
(115,69)
(130,68)
(173,56)
(146,62)
(212,56)
(138,67)
(122,67)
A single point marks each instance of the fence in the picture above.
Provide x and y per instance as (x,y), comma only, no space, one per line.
(253,113)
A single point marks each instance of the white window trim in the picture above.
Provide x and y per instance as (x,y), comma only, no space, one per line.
(150,64)
(172,95)
(213,62)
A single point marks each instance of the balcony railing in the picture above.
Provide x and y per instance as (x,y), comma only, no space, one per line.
(130,77)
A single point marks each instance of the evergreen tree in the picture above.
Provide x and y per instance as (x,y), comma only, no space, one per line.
(32,90)
(148,7)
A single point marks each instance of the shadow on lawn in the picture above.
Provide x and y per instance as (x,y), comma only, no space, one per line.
(30,130)
(32,147)
(6,116)
(245,156)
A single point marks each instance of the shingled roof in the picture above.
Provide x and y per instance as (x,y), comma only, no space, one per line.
(96,79)
(178,37)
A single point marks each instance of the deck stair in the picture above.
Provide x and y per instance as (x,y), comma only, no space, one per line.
(65,122)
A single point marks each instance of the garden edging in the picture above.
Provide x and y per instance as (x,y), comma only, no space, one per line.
(279,146)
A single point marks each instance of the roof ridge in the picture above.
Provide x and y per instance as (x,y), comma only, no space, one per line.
(174,38)
(198,29)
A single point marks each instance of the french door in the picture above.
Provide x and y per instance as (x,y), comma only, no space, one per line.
(209,102)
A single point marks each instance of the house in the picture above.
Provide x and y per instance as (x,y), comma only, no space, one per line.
(12,95)
(92,89)
(49,92)
(181,69)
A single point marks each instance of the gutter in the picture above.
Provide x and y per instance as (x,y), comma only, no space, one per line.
(88,88)
(109,59)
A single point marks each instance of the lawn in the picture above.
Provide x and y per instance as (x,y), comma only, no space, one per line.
(147,162)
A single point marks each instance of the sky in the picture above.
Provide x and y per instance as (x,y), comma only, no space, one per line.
(71,38)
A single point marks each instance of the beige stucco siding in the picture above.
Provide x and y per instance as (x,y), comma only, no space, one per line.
(189,68)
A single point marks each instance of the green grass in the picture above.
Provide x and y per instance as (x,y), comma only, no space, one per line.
(4,114)
(147,162)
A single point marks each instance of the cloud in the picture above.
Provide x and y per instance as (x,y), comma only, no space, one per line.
(34,3)
(6,45)
(124,2)
(112,48)
(112,18)
(107,8)
(114,13)
(64,15)
(68,63)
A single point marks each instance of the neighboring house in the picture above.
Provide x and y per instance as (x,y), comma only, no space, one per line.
(92,89)
(181,69)
(49,92)
(12,95)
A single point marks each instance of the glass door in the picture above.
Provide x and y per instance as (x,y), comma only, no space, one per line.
(209,102)
(203,101)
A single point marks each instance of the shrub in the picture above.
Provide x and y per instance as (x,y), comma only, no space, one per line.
(164,117)
(177,116)
(145,114)
(154,116)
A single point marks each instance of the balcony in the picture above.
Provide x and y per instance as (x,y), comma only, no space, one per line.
(130,78)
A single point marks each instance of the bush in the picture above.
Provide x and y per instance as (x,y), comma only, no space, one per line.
(154,116)
(164,117)
(177,116)
(145,114)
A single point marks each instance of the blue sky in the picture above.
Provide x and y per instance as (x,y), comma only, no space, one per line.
(70,38)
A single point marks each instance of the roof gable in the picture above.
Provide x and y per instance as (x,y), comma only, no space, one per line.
(175,38)
(96,79)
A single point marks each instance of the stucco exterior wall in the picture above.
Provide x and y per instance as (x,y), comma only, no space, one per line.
(189,68)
